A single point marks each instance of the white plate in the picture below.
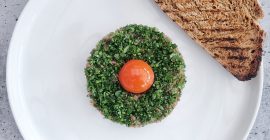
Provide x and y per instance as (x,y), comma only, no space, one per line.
(47,86)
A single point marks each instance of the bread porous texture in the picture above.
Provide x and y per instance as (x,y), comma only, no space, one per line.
(227,29)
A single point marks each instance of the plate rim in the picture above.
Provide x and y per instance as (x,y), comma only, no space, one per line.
(11,95)
(11,98)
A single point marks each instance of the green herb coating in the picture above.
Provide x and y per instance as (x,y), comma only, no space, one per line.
(135,42)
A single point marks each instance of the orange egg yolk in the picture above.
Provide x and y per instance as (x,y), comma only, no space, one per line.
(136,76)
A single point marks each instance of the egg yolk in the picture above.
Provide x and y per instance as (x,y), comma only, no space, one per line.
(136,76)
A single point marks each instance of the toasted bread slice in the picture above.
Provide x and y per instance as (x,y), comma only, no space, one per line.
(227,31)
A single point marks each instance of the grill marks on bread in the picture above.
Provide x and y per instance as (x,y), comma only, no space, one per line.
(226,29)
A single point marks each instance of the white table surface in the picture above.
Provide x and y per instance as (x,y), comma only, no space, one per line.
(9,13)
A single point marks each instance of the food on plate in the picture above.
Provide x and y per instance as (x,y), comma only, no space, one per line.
(227,29)
(135,75)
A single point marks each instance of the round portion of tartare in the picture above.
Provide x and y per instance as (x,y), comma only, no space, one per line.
(124,97)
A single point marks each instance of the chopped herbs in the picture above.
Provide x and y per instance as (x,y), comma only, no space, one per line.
(135,42)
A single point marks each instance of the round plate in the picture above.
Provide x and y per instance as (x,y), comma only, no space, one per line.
(47,86)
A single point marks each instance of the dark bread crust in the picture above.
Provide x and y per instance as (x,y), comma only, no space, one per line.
(227,31)
(255,65)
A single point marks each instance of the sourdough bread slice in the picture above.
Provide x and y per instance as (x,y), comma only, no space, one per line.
(226,29)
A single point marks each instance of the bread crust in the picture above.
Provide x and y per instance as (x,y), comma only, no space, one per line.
(228,32)
(254,8)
